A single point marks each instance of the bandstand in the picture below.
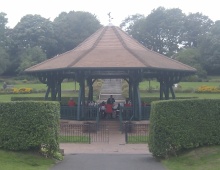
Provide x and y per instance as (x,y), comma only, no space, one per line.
(110,53)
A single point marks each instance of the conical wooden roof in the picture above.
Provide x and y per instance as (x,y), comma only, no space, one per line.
(110,47)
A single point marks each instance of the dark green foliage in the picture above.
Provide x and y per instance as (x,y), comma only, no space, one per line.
(209,47)
(177,125)
(148,100)
(78,26)
(64,100)
(29,125)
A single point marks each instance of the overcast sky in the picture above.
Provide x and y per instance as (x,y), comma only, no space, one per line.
(120,9)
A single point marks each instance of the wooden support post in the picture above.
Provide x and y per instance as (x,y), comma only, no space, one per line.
(166,91)
(59,91)
(82,84)
(79,104)
(161,90)
(139,103)
(47,93)
(130,89)
(172,92)
(90,93)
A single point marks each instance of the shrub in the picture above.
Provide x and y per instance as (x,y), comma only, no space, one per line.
(25,81)
(64,100)
(177,125)
(29,125)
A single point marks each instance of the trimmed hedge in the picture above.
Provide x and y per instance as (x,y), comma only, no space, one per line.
(152,99)
(64,100)
(177,125)
(29,125)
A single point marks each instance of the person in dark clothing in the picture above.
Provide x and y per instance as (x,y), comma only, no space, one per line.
(111,100)
(4,85)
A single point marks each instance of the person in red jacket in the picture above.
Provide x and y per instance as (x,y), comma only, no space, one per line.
(128,103)
(71,102)
(108,110)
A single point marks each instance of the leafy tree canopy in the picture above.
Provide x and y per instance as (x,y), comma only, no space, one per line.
(209,46)
(191,57)
(74,27)
(3,29)
(195,26)
(159,31)
(4,60)
(34,30)
(30,57)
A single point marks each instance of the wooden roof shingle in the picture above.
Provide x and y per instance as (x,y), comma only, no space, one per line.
(110,47)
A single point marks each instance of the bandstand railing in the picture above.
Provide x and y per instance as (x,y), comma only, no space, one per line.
(70,113)
(92,113)
(127,114)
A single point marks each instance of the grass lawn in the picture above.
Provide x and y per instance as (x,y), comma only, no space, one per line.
(7,97)
(199,95)
(137,139)
(205,158)
(39,86)
(24,161)
(184,85)
(69,87)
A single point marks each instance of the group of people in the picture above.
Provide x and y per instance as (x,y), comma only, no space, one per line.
(71,103)
(109,108)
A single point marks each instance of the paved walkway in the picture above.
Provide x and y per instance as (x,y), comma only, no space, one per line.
(109,162)
(116,145)
(108,156)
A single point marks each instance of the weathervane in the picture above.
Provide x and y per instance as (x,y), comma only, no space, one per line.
(109,17)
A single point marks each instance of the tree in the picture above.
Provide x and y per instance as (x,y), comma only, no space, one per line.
(31,31)
(195,26)
(192,57)
(34,30)
(4,60)
(30,57)
(128,23)
(74,27)
(209,47)
(3,22)
(4,57)
(160,30)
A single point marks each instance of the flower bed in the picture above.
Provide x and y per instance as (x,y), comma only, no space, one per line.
(208,89)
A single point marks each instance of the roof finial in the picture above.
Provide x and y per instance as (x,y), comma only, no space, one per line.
(109,18)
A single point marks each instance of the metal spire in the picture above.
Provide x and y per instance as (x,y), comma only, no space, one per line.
(109,18)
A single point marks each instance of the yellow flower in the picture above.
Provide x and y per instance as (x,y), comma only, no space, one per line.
(208,89)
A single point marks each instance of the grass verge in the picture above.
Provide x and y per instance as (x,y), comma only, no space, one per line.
(205,158)
(137,139)
(74,139)
(24,161)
